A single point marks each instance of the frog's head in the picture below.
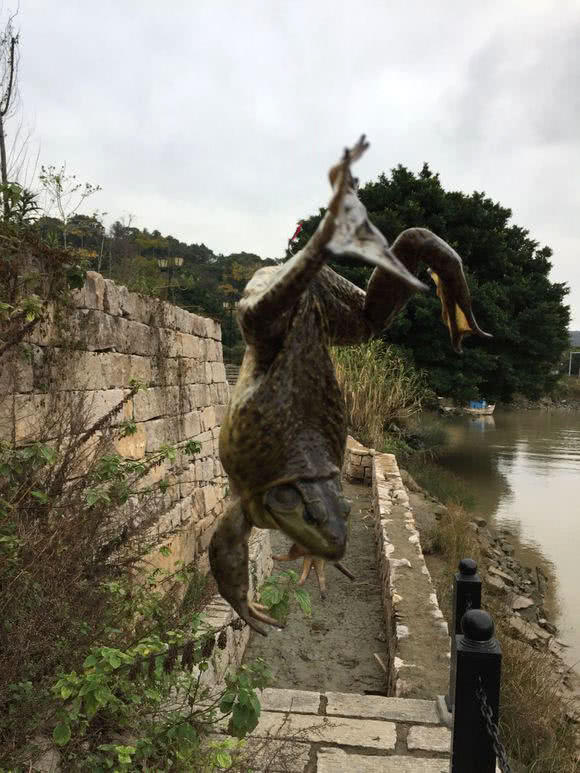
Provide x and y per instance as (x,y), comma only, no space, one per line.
(313,513)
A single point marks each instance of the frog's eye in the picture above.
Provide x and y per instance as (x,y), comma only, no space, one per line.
(282,498)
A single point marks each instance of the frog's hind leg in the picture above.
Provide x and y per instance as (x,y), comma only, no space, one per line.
(387,295)
(229,561)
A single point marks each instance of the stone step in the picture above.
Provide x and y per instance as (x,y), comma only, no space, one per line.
(369,734)
(376,707)
(333,732)
(295,701)
(338,761)
(232,373)
(339,704)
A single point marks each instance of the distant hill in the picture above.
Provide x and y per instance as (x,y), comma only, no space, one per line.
(575,339)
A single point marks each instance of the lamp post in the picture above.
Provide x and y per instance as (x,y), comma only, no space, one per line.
(230,306)
(170,264)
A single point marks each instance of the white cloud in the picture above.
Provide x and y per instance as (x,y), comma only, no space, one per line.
(217,121)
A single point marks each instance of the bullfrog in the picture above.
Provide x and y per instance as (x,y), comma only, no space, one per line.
(282,440)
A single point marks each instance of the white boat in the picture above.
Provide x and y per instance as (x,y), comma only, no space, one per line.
(485,410)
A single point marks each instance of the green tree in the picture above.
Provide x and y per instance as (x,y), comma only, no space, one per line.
(508,273)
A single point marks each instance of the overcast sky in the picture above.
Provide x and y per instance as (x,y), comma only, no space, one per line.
(217,121)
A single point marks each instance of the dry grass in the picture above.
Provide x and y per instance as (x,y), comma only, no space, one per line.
(441,483)
(533,710)
(379,387)
(454,539)
(534,726)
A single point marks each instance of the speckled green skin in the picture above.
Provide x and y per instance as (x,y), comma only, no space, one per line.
(283,437)
(287,395)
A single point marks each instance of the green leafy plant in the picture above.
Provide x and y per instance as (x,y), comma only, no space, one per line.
(153,691)
(278,592)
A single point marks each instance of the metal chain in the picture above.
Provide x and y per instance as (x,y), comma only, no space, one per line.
(492,728)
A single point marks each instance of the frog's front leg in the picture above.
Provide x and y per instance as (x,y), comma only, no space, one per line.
(229,559)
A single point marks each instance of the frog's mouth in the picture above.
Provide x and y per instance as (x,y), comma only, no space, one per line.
(313,513)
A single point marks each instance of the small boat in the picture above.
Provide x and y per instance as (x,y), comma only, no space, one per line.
(479,408)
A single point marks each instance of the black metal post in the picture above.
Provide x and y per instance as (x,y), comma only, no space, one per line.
(478,674)
(466,596)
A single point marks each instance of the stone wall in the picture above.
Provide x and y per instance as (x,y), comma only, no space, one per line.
(113,337)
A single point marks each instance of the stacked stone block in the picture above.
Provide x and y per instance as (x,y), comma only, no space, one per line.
(358,462)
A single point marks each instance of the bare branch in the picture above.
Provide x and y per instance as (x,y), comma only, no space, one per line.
(7,96)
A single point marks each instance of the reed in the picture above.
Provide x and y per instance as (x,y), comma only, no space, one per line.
(380,388)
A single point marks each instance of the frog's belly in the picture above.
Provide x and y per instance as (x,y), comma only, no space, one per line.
(289,426)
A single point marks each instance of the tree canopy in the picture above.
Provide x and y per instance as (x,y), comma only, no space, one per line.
(508,274)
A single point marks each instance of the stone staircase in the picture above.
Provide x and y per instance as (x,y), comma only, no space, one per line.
(232,373)
(333,732)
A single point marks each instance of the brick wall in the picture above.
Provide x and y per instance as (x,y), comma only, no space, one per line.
(118,336)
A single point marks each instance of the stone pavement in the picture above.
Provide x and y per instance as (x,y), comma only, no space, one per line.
(339,732)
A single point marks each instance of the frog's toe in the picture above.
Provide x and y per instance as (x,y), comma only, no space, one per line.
(258,612)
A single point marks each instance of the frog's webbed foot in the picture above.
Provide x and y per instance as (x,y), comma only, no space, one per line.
(344,230)
(386,296)
(258,612)
(228,557)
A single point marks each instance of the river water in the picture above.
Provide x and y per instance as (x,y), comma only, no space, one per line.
(524,471)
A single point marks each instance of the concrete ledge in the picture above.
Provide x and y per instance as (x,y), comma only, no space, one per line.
(418,638)
(356,733)
(429,739)
(295,701)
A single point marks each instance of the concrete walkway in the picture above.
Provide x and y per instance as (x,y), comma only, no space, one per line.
(342,732)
